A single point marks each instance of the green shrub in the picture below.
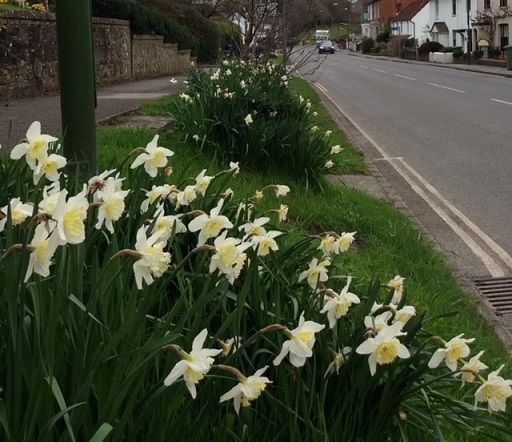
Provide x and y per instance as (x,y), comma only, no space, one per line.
(430,46)
(145,21)
(367,45)
(380,47)
(205,31)
(458,52)
(282,135)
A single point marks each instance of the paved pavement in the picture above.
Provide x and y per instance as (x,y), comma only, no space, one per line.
(17,114)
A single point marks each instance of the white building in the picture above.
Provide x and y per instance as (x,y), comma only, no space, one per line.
(413,21)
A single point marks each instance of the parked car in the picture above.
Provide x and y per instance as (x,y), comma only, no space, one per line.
(326,46)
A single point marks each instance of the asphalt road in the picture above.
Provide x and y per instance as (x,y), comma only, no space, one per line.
(443,139)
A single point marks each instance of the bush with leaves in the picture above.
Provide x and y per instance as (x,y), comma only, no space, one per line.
(367,45)
(247,113)
(133,302)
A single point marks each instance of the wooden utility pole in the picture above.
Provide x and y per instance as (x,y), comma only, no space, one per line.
(77,82)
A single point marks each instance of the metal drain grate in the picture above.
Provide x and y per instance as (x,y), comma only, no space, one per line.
(498,292)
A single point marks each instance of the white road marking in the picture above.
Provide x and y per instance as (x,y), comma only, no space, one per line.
(448,88)
(442,207)
(405,77)
(319,86)
(501,101)
(363,66)
(380,70)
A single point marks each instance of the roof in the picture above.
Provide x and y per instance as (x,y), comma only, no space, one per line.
(440,27)
(410,11)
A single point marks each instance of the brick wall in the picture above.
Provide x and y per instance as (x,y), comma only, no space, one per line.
(29,61)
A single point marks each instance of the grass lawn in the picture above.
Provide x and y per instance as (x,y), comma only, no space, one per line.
(11,7)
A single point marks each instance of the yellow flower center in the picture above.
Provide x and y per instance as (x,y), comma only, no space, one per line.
(455,352)
(213,227)
(73,222)
(342,309)
(40,252)
(18,216)
(49,167)
(194,376)
(158,160)
(114,207)
(305,336)
(38,145)
(387,351)
(490,391)
(227,253)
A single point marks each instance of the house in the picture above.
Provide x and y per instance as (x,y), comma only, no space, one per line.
(450,21)
(493,24)
(378,12)
(413,21)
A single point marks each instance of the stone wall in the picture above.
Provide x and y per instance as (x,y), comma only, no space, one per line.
(29,61)
(151,56)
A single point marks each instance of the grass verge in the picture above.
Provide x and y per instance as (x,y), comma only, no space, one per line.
(388,242)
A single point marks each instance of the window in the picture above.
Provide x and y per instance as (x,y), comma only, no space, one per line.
(437,8)
(454,38)
(504,35)
(487,4)
(454,7)
(503,3)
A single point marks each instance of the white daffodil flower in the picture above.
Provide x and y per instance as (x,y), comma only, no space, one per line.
(340,359)
(345,241)
(281,190)
(19,212)
(495,391)
(385,347)
(153,157)
(247,390)
(156,192)
(152,261)
(230,345)
(166,225)
(329,164)
(379,322)
(35,148)
(328,133)
(404,314)
(339,304)
(253,228)
(316,272)
(248,119)
(453,350)
(336,149)
(42,248)
(282,213)
(202,182)
(185,197)
(329,245)
(194,365)
(472,368)
(49,167)
(229,257)
(300,342)
(235,167)
(50,199)
(209,226)
(266,242)
(70,216)
(112,205)
(397,284)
